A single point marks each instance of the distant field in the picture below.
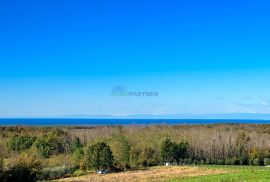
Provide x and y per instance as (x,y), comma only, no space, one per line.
(182,174)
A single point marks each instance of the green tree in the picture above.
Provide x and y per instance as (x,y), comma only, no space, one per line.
(149,157)
(167,150)
(78,154)
(44,147)
(20,143)
(99,156)
(76,144)
(242,147)
(134,159)
(180,150)
(55,142)
(121,150)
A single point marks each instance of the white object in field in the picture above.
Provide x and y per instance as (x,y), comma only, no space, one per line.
(267,166)
(167,164)
(102,172)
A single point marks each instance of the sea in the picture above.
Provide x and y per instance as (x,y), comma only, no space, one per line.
(102,122)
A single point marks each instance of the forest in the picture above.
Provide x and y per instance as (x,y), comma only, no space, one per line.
(29,153)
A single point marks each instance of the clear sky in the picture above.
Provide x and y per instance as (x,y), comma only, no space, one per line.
(65,57)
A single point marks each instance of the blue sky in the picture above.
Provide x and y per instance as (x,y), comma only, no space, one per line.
(65,57)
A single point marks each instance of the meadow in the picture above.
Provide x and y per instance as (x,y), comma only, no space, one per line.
(192,173)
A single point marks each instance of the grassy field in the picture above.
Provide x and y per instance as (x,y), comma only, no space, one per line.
(151,174)
(183,174)
(233,174)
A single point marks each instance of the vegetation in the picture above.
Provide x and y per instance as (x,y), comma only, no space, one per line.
(99,156)
(54,153)
(172,151)
(20,143)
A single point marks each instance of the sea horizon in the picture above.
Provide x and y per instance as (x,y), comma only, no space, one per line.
(121,121)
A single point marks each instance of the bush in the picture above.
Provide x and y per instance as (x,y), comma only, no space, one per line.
(257,153)
(78,155)
(20,174)
(83,165)
(56,172)
(220,162)
(56,142)
(149,157)
(202,162)
(167,150)
(121,151)
(134,159)
(256,162)
(180,150)
(62,160)
(44,147)
(76,144)
(213,161)
(25,168)
(188,161)
(20,143)
(195,162)
(231,161)
(99,156)
(266,161)
(208,161)
(171,151)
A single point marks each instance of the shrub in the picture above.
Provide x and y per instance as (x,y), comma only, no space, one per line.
(266,161)
(167,150)
(121,151)
(20,174)
(208,161)
(220,162)
(78,155)
(231,161)
(149,157)
(256,162)
(44,147)
(195,162)
(250,162)
(99,156)
(188,161)
(171,151)
(55,142)
(202,162)
(134,159)
(20,143)
(180,150)
(56,172)
(61,160)
(25,168)
(83,165)
(259,154)
(213,161)
(76,144)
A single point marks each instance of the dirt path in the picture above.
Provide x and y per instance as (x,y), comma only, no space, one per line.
(152,174)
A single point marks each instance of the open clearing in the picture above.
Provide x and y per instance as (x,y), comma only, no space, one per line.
(152,174)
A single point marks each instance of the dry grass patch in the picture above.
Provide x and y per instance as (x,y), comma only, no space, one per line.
(151,174)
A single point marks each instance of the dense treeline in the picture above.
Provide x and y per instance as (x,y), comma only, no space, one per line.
(53,152)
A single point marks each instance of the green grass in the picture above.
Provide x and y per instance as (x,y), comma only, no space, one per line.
(235,174)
